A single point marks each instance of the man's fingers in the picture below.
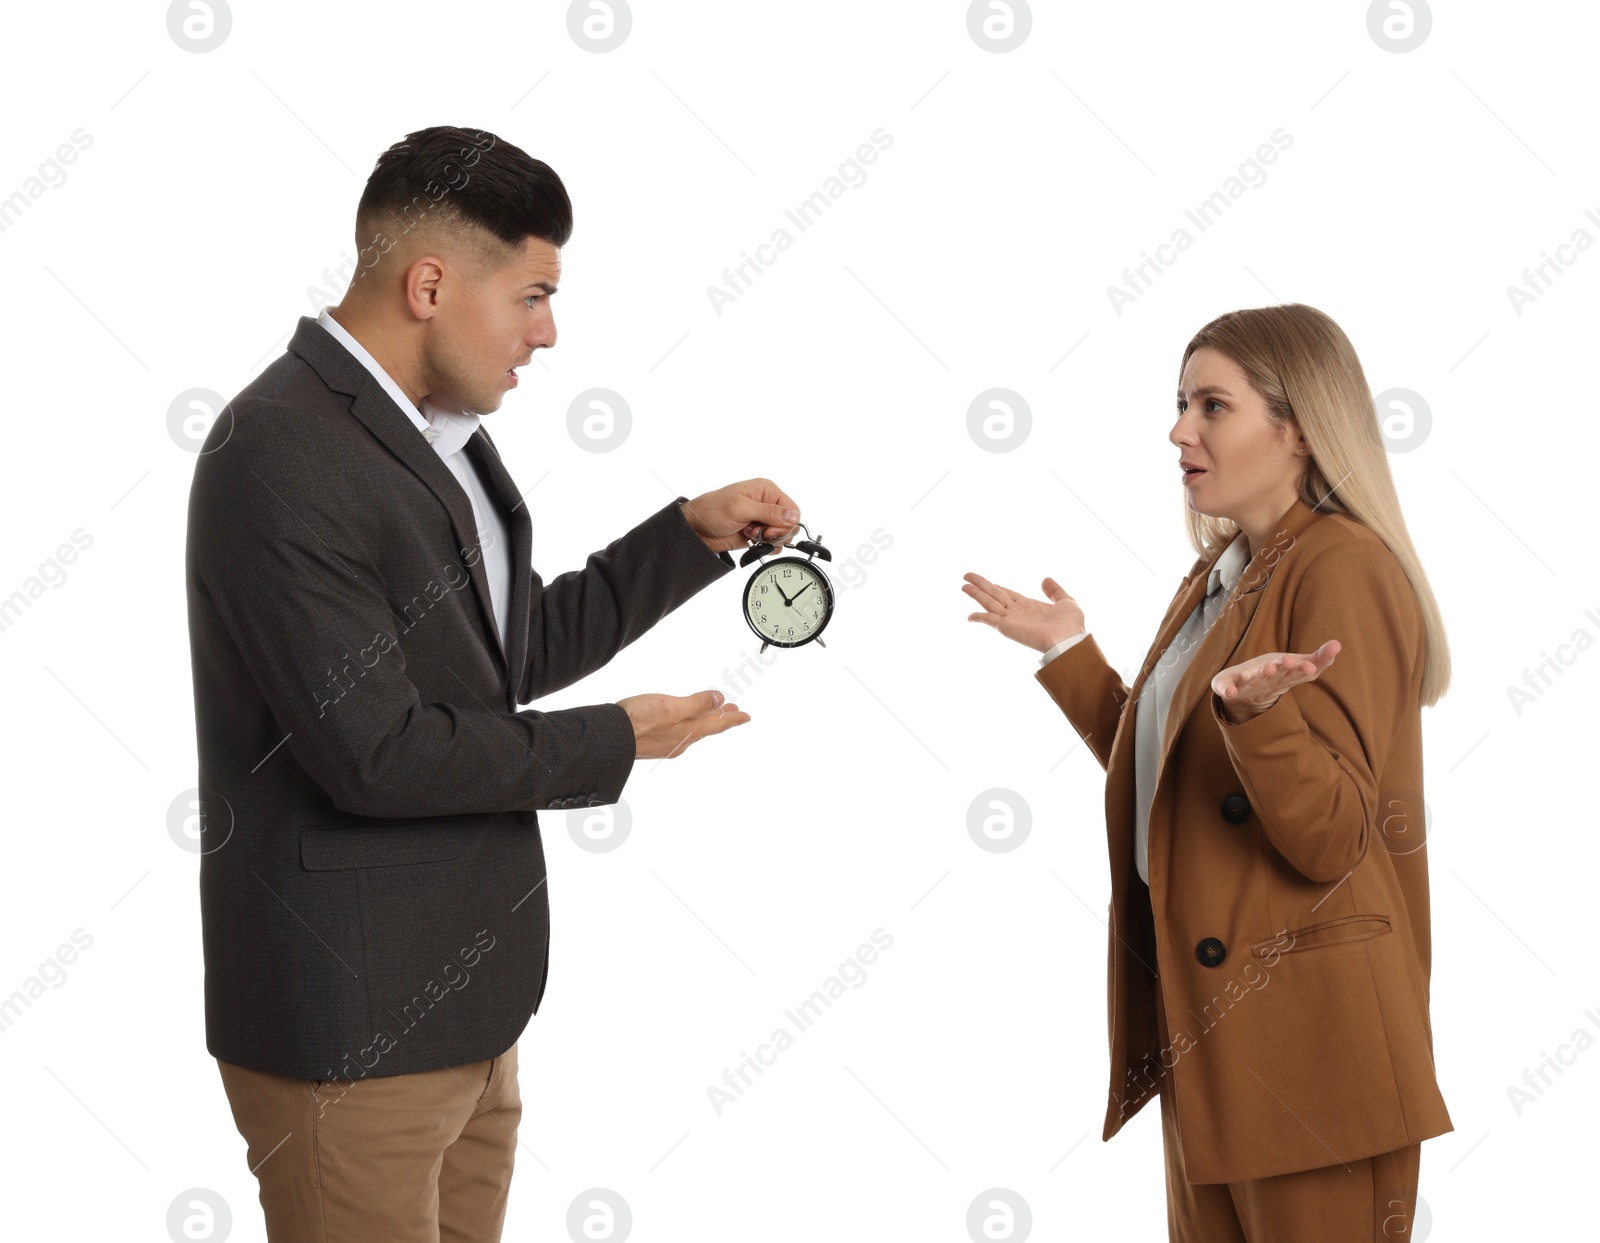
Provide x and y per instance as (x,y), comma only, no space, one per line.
(677,709)
(690,731)
(725,719)
(709,713)
(769,512)
(780,517)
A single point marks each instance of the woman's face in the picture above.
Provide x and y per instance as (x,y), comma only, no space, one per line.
(1249,467)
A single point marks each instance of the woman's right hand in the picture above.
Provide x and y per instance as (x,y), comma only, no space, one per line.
(1039,624)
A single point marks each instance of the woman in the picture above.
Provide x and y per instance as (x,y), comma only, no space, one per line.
(1269,939)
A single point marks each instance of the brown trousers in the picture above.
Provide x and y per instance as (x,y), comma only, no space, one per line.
(419,1158)
(1373,1198)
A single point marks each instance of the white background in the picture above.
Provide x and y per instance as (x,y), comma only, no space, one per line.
(179,252)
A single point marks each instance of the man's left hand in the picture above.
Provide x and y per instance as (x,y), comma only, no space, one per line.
(743,513)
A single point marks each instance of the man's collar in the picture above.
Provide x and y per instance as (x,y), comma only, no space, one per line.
(443,423)
(449,426)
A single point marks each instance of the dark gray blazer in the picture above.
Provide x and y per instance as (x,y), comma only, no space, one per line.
(372,887)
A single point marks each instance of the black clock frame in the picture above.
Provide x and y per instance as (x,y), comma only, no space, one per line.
(827,585)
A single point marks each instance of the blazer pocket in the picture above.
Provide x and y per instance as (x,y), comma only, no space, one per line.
(1316,936)
(332,848)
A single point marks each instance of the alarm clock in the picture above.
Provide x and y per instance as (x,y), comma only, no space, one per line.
(788,601)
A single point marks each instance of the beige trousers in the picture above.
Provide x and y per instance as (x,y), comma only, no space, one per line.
(419,1158)
(1370,1200)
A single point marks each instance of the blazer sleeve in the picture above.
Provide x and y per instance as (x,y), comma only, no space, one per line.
(1308,763)
(1089,691)
(286,570)
(581,619)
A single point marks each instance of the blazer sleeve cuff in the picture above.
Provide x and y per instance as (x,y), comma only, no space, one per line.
(594,776)
(1260,732)
(1056,650)
(1059,675)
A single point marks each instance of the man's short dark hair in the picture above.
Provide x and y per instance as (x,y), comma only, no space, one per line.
(449,179)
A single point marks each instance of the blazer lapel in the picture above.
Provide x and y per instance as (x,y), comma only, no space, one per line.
(492,469)
(1216,649)
(385,420)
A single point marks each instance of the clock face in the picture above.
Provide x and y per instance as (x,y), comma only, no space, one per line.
(788,602)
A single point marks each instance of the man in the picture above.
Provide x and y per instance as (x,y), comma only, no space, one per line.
(364,621)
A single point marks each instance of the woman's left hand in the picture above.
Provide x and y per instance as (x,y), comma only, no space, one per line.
(1249,689)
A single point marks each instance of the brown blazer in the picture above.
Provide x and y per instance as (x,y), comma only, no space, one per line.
(1288,875)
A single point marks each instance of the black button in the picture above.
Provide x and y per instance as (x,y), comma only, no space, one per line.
(594,800)
(1210,952)
(1236,809)
(555,804)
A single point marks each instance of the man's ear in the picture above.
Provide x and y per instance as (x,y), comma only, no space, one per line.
(422,280)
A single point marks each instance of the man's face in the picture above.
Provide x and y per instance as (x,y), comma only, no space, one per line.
(488,323)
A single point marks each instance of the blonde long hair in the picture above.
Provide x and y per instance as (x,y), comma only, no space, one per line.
(1303,365)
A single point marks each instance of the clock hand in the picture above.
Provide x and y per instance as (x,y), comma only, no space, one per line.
(797,595)
(779,590)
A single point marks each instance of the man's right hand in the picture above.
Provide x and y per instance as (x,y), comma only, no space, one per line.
(665,725)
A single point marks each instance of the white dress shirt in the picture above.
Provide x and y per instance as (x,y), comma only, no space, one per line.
(448,428)
(1150,713)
